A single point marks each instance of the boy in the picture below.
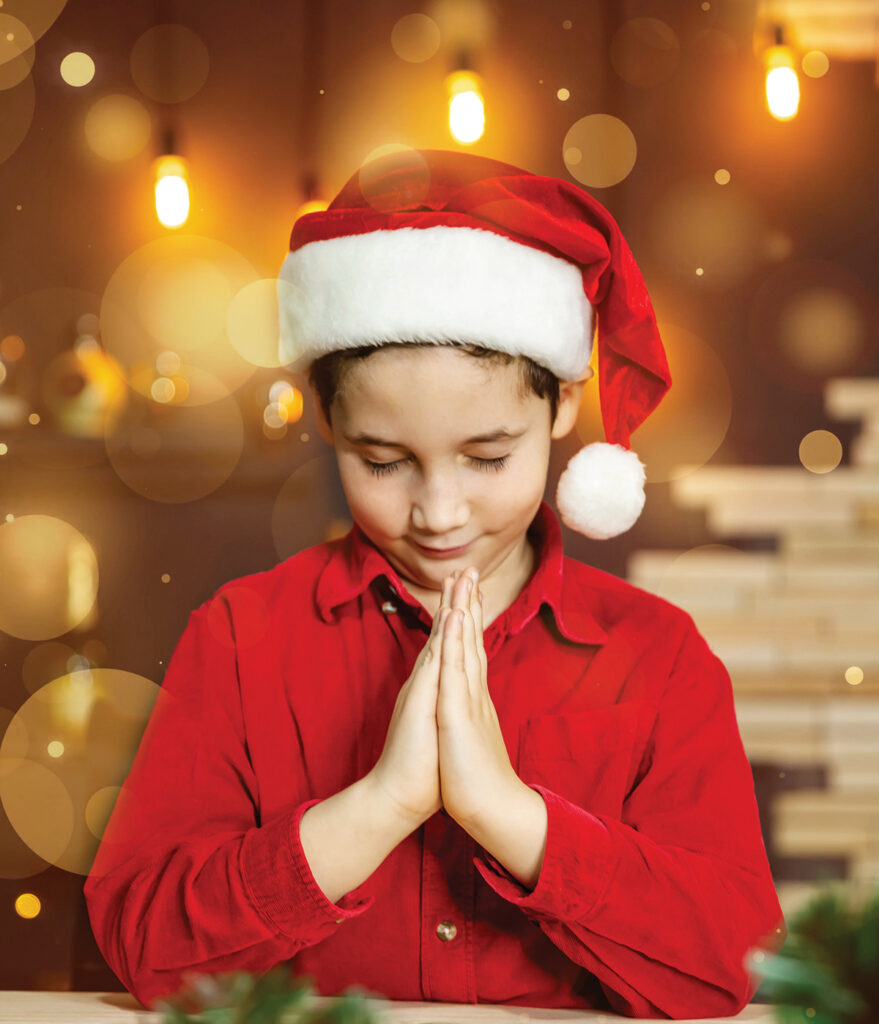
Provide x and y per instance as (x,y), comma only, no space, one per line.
(542,802)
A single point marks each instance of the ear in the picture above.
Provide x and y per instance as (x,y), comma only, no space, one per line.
(324,428)
(570,395)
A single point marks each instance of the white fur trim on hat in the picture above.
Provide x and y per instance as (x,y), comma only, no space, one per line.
(440,283)
(601,492)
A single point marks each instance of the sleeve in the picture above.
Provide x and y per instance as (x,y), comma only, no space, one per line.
(186,877)
(663,903)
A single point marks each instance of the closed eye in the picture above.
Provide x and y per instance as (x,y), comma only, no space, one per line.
(380,468)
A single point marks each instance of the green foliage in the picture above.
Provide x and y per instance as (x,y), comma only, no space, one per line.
(271,998)
(827,972)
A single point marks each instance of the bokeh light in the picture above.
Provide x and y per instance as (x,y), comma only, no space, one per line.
(644,51)
(599,150)
(382,160)
(309,498)
(252,320)
(50,577)
(38,15)
(77,69)
(45,662)
(16,51)
(810,320)
(564,94)
(117,127)
(689,424)
(820,451)
(815,64)
(169,63)
(174,293)
(27,905)
(58,807)
(696,224)
(178,453)
(854,675)
(415,38)
(722,176)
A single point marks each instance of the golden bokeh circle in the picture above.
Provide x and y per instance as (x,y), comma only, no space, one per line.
(691,421)
(50,577)
(169,63)
(854,675)
(58,807)
(117,127)
(309,498)
(16,51)
(39,15)
(722,176)
(645,51)
(415,38)
(815,64)
(16,115)
(252,322)
(822,330)
(390,163)
(27,905)
(696,224)
(39,807)
(177,453)
(77,69)
(599,150)
(810,320)
(820,451)
(174,293)
(565,94)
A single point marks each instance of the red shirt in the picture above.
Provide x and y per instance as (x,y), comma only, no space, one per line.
(654,881)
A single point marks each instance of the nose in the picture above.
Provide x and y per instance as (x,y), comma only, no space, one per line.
(439,507)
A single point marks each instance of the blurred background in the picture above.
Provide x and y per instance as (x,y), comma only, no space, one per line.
(154,157)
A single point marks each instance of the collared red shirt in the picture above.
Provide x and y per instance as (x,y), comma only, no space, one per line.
(654,883)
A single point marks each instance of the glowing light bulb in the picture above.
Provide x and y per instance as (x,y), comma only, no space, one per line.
(466,108)
(782,84)
(172,191)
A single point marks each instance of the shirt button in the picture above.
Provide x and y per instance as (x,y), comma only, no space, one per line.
(446,930)
(388,607)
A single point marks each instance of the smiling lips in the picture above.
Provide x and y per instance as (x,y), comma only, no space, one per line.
(444,552)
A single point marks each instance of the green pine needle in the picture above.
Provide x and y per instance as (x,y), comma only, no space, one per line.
(828,969)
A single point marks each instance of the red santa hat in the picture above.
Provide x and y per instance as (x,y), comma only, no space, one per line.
(436,245)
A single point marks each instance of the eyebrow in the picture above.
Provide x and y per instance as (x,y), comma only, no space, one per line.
(495,435)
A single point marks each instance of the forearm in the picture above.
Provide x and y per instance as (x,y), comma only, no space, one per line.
(513,831)
(348,835)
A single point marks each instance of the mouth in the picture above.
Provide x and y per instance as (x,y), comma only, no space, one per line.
(443,552)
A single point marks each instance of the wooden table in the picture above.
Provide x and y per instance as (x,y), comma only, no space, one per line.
(120,1008)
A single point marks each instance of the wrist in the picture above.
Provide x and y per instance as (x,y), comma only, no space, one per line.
(386,808)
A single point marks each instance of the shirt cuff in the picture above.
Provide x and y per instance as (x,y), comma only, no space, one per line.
(578,863)
(282,886)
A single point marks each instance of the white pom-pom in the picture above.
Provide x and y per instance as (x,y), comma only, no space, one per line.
(601,492)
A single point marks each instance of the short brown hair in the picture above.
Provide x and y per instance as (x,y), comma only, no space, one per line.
(326,373)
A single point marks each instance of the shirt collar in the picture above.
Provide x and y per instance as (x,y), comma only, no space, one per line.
(356,562)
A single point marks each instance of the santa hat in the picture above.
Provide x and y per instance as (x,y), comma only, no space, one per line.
(436,245)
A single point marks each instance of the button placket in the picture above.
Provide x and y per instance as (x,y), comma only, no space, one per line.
(447,907)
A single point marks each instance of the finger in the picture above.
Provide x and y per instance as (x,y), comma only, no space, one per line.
(430,653)
(476,608)
(453,667)
(472,664)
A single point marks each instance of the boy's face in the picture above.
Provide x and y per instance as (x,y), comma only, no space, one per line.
(431,484)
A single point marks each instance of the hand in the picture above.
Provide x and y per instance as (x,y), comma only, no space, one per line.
(407,772)
(475,769)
